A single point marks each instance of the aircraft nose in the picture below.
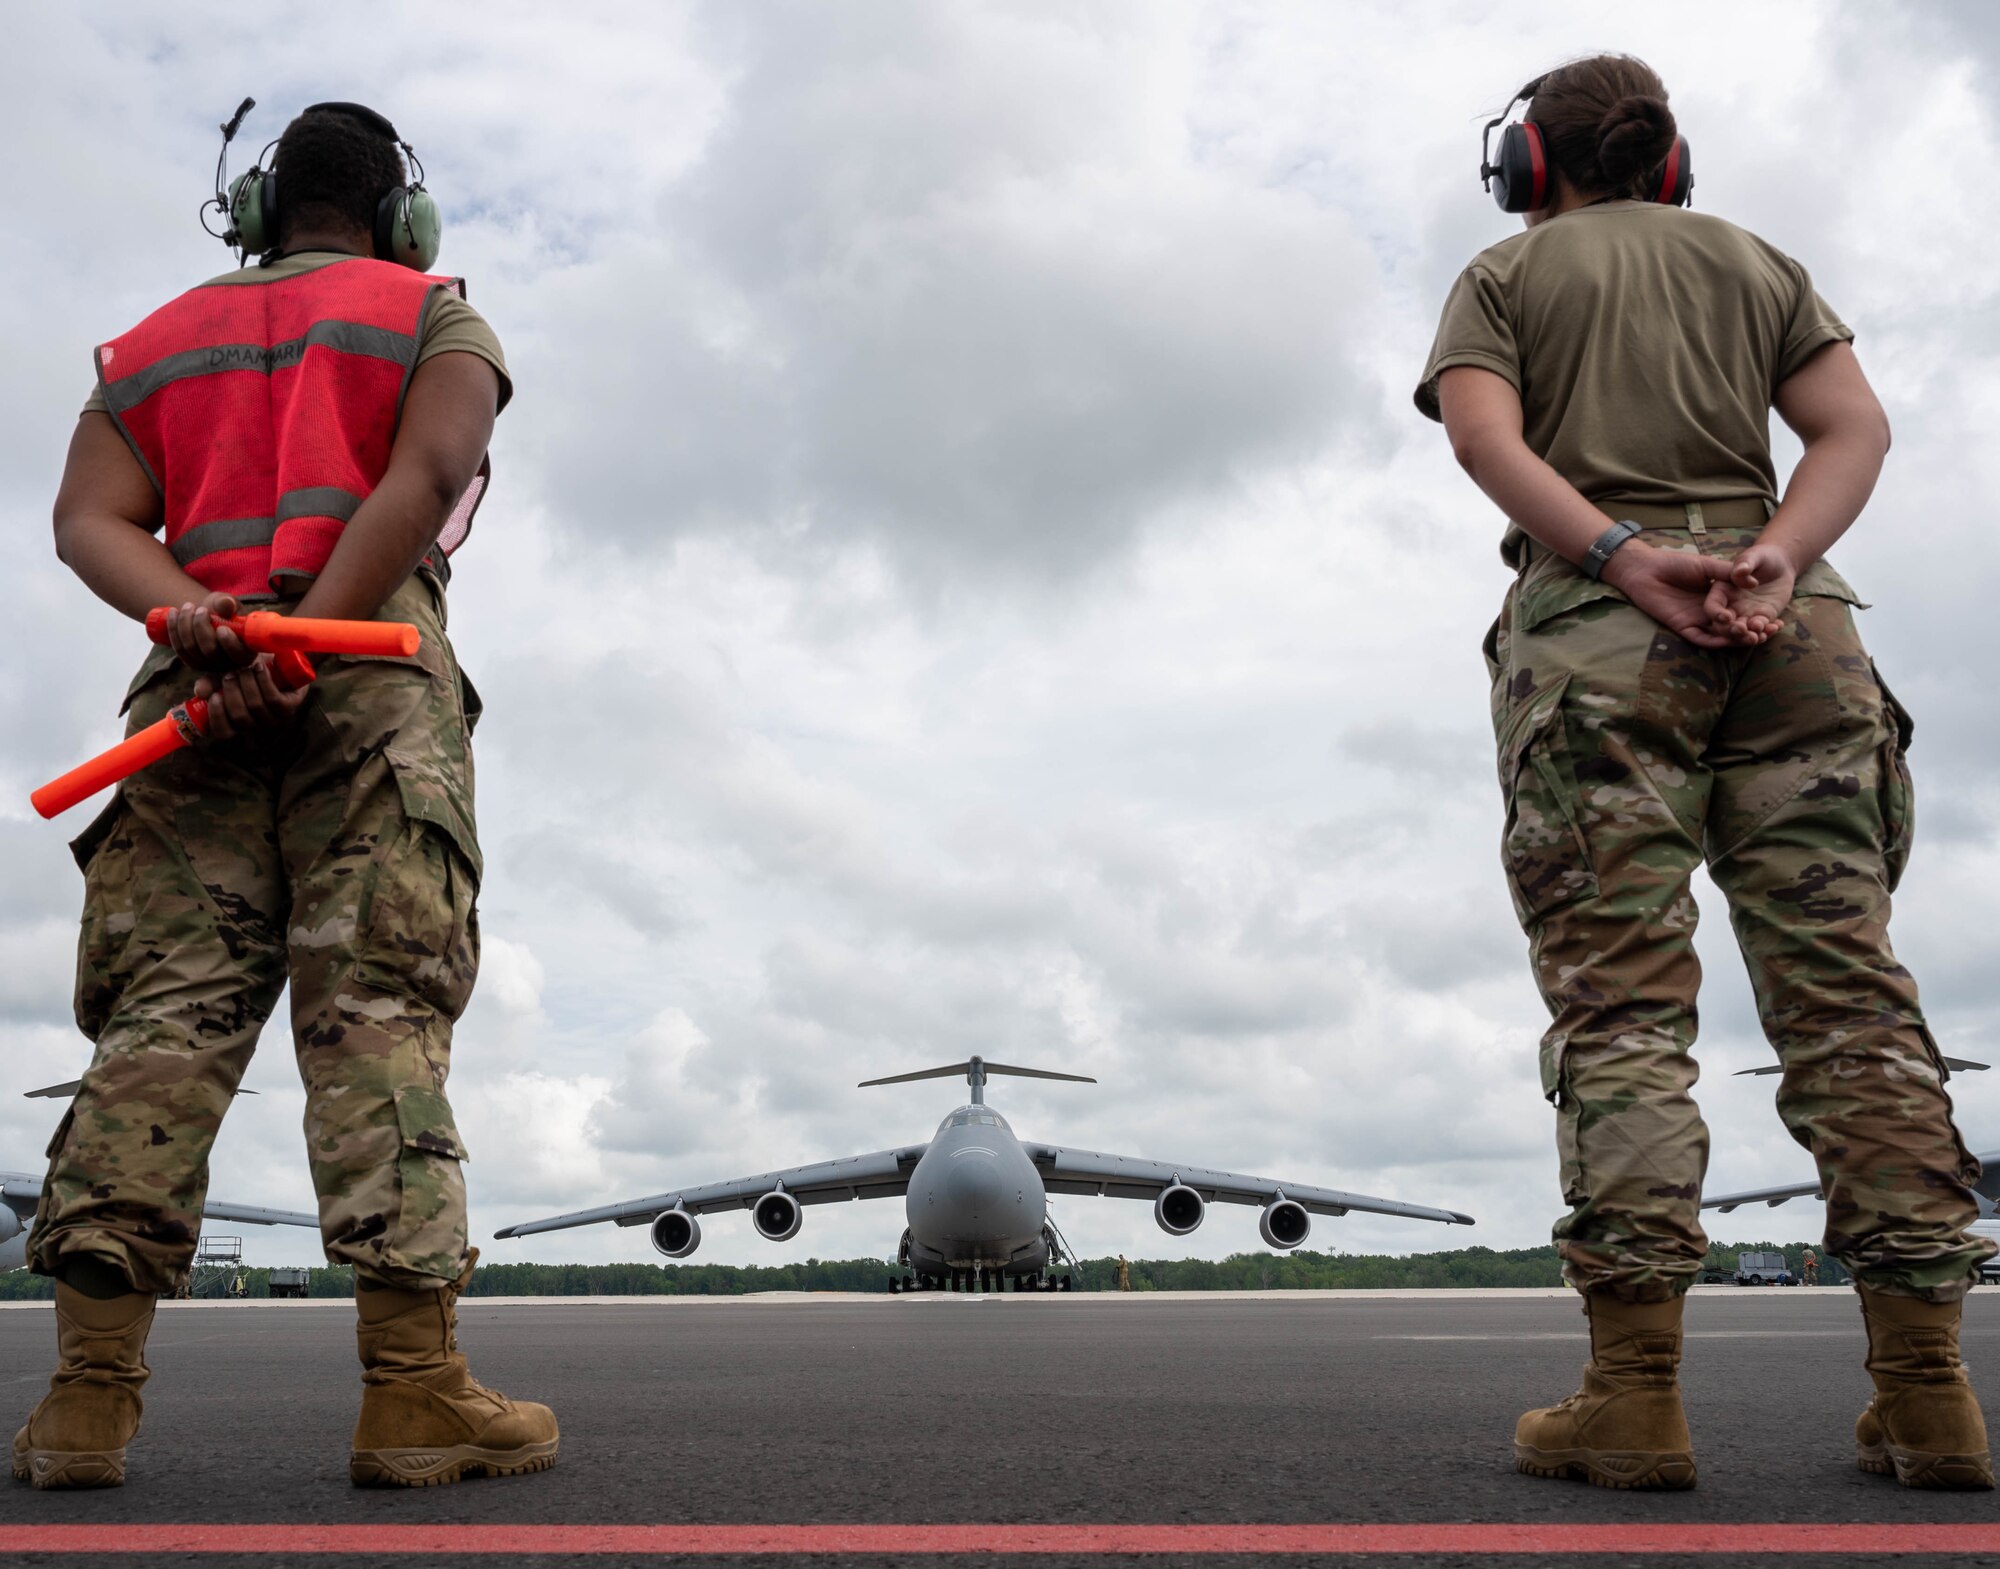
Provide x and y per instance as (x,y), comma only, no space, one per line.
(973,1184)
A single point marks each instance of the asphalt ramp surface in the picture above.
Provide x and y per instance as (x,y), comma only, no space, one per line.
(1206,1413)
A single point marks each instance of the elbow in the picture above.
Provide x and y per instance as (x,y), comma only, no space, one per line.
(65,538)
(445,487)
(1471,450)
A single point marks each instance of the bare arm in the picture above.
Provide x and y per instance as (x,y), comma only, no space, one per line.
(1829,403)
(107,515)
(106,512)
(1834,411)
(1482,416)
(447,422)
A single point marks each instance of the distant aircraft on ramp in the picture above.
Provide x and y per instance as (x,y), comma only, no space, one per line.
(976,1197)
(21,1193)
(1985,1192)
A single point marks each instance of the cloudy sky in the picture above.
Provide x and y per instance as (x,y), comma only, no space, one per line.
(964,574)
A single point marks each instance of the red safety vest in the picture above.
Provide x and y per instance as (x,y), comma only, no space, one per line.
(263,413)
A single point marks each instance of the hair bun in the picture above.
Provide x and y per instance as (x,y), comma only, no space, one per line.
(1635,135)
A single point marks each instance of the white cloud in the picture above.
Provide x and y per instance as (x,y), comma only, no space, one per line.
(964,574)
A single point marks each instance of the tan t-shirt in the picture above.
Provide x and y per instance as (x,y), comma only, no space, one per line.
(1646,343)
(450,325)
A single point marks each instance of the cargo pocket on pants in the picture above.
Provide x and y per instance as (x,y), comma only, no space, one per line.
(1899,799)
(1542,846)
(1556,1091)
(424,1119)
(422,917)
(429,1237)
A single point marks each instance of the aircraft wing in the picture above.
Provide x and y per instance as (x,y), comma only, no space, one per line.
(1128,1177)
(18,1188)
(1987,1190)
(881,1175)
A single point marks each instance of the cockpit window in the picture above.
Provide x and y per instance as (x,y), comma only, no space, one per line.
(973,1116)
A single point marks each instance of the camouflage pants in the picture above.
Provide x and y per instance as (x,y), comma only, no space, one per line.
(1628,756)
(340,858)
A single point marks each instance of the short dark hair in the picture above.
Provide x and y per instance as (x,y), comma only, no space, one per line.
(1606,121)
(332,165)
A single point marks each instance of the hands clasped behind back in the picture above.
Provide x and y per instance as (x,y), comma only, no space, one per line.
(1709,602)
(241,692)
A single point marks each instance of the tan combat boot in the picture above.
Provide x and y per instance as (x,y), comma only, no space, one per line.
(77,1436)
(425,1420)
(1625,1427)
(1923,1426)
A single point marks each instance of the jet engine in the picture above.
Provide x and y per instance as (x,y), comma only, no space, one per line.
(676,1233)
(1179,1209)
(1284,1223)
(777,1216)
(10,1223)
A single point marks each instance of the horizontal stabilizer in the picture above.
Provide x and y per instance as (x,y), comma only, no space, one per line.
(974,1069)
(1956,1064)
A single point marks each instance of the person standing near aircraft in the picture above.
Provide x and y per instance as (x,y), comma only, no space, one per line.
(310,435)
(1677,677)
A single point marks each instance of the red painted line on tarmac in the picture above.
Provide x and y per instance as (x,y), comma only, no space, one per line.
(944,1540)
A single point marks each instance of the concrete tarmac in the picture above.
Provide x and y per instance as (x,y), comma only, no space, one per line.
(1196,1409)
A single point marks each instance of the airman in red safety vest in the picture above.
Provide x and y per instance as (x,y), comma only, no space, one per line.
(307,434)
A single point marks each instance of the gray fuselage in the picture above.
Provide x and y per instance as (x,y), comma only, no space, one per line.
(975,1199)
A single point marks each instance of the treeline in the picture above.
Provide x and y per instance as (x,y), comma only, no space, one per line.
(1300,1270)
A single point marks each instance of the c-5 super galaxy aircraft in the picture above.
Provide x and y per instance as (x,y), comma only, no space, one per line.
(977,1197)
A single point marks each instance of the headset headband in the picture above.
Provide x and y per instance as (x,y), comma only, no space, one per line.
(1487,168)
(361,112)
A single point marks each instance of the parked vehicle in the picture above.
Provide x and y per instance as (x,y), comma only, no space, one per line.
(1763,1267)
(290,1282)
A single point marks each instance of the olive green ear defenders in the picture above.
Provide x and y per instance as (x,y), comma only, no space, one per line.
(408,227)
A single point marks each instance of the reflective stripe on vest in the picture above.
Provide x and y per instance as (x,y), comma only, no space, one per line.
(320,501)
(347,337)
(264,412)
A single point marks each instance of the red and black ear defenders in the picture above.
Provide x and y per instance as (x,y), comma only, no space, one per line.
(1524,178)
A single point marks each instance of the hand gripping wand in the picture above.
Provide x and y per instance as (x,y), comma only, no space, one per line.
(289,638)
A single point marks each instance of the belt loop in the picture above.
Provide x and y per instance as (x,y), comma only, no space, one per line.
(1770,509)
(1695,526)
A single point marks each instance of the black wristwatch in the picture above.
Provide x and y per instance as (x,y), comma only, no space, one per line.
(1607,546)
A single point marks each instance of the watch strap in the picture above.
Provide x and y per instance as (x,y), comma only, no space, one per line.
(1606,546)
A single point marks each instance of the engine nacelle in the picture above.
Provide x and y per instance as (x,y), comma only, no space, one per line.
(10,1223)
(1284,1223)
(676,1233)
(777,1216)
(1179,1209)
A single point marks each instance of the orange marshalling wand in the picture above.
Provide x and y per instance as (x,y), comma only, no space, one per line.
(270,633)
(291,638)
(185,724)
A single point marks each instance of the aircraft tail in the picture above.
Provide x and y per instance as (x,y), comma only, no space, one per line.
(68,1091)
(975,1070)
